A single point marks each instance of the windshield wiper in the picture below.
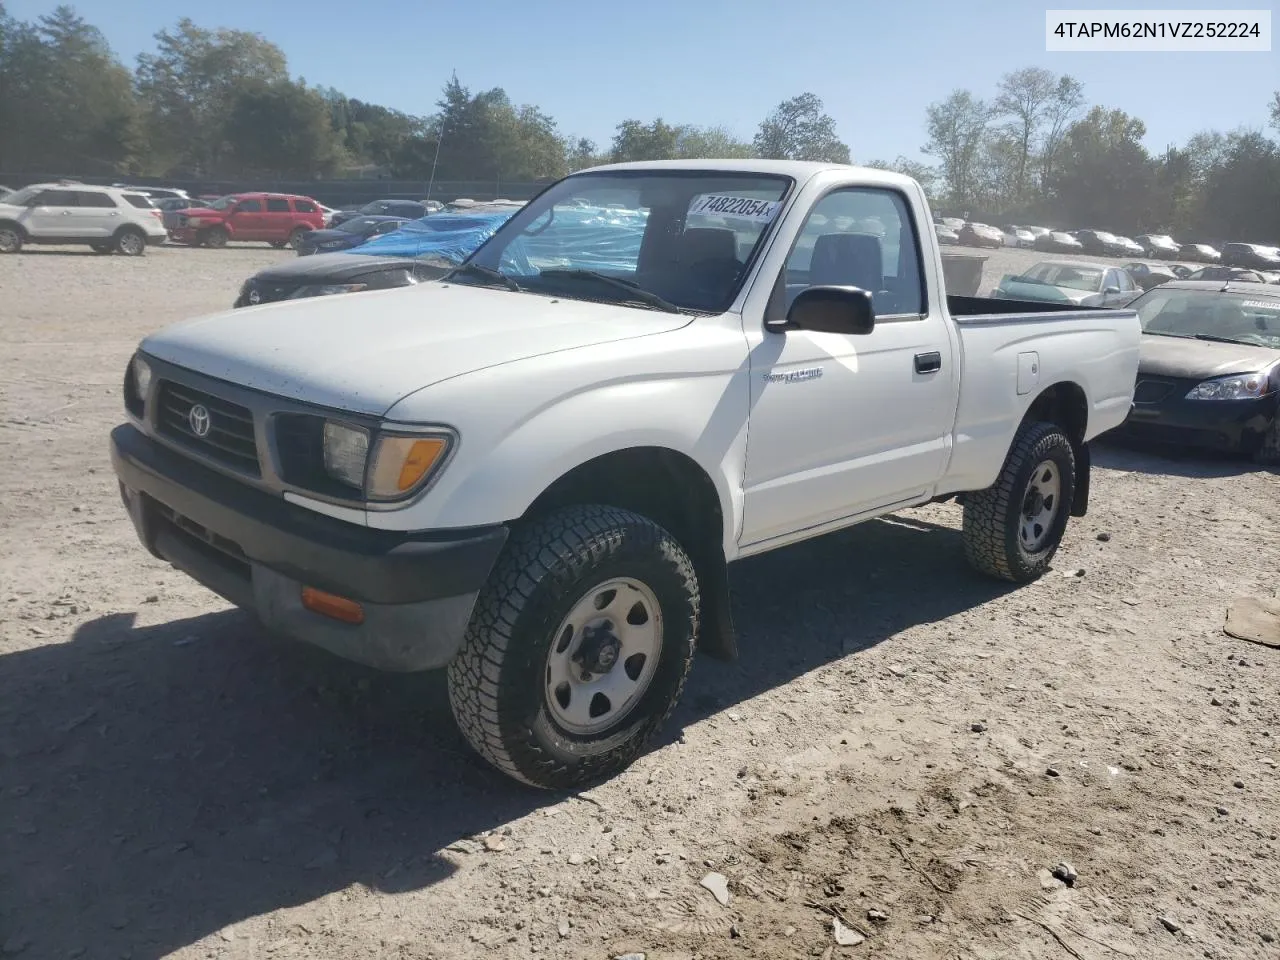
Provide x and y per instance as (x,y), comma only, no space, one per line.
(1209,336)
(487,272)
(633,290)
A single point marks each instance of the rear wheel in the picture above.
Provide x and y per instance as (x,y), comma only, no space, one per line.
(295,238)
(578,648)
(215,237)
(1013,528)
(10,238)
(131,242)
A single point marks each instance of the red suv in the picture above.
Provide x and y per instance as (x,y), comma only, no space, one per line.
(278,218)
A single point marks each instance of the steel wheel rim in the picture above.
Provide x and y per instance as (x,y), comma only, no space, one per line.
(130,244)
(603,656)
(1040,506)
(8,241)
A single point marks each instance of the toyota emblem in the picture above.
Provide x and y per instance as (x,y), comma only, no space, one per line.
(198,417)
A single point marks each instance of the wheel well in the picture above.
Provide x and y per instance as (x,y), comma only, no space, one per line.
(673,491)
(129,228)
(1064,404)
(16,225)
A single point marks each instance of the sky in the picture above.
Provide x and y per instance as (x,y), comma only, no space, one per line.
(876,65)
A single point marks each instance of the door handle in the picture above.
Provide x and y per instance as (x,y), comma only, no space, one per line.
(928,362)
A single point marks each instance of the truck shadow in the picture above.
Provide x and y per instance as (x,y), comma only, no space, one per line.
(160,783)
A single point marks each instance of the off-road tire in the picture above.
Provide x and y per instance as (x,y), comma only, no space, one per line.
(295,237)
(496,682)
(11,238)
(1268,452)
(215,238)
(130,242)
(992,517)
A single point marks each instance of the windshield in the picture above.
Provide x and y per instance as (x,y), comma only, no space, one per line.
(358,225)
(1208,313)
(1067,275)
(20,198)
(682,237)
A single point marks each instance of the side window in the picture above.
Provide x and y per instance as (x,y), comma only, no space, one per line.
(387,226)
(55,198)
(302,206)
(86,198)
(277,205)
(139,201)
(1112,280)
(862,237)
(249,206)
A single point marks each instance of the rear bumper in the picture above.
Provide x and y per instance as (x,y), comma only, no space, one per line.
(416,590)
(1233,426)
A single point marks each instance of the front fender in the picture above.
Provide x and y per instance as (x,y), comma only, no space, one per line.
(503,464)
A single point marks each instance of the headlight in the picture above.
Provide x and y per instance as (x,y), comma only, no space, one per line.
(141,377)
(346,451)
(326,289)
(1244,387)
(398,464)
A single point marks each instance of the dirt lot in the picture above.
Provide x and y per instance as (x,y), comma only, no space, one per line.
(175,783)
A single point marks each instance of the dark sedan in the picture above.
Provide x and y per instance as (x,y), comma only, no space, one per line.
(407,209)
(1199,253)
(329,273)
(1058,242)
(1100,243)
(981,235)
(351,233)
(1209,372)
(1149,273)
(1252,255)
(1158,245)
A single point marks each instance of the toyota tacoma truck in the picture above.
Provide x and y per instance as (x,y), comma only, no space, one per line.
(535,471)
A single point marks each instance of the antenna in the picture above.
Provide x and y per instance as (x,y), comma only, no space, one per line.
(439,140)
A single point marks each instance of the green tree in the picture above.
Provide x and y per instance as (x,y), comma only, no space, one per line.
(634,140)
(798,129)
(958,128)
(581,153)
(281,129)
(1062,111)
(1028,98)
(710,143)
(66,102)
(189,87)
(1241,194)
(922,173)
(1104,176)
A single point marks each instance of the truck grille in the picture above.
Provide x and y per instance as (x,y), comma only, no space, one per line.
(230,435)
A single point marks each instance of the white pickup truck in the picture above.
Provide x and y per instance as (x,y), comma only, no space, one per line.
(536,470)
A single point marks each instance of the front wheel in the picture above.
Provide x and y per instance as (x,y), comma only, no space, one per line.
(1268,452)
(578,648)
(1013,528)
(215,237)
(295,238)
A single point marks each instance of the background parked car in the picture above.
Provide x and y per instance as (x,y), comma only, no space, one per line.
(155,193)
(348,234)
(1182,270)
(107,219)
(1158,246)
(1198,253)
(406,209)
(1100,243)
(981,235)
(1058,242)
(945,234)
(1080,283)
(1148,274)
(1221,273)
(1252,255)
(1131,247)
(1209,368)
(276,218)
(1016,236)
(5,191)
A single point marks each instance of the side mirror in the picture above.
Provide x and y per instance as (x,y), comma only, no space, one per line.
(831,309)
(1111,290)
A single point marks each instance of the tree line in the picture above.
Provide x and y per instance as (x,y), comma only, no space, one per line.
(221,104)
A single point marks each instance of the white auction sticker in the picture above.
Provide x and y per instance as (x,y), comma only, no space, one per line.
(746,208)
(1165,31)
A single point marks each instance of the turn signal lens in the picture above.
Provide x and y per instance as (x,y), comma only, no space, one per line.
(403,463)
(332,605)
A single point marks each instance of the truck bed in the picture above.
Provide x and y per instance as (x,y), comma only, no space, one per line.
(969,308)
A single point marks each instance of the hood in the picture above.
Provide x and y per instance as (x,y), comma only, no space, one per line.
(1201,359)
(363,352)
(321,236)
(327,266)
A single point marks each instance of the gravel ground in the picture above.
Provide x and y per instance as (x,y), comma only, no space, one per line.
(903,745)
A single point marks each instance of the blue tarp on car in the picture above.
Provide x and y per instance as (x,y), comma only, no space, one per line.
(448,237)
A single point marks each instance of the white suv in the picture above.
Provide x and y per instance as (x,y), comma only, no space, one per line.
(108,219)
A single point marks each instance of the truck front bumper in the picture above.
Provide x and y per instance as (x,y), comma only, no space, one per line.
(416,590)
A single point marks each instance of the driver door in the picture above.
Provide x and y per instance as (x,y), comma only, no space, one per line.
(847,424)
